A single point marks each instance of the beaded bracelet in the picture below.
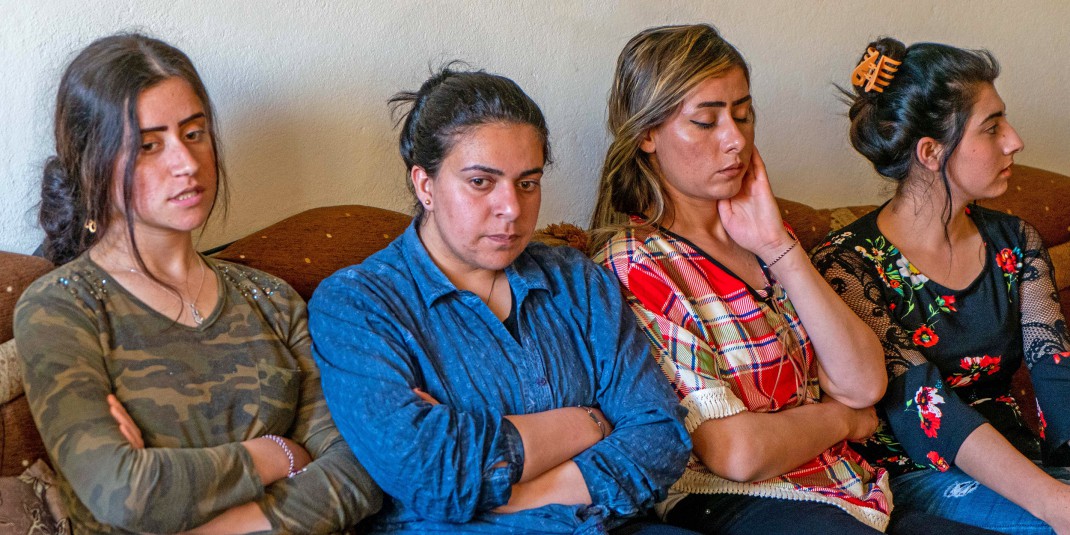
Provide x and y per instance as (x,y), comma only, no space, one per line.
(289,454)
(782,255)
(597,421)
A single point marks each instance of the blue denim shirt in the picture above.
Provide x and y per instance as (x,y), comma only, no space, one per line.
(395,322)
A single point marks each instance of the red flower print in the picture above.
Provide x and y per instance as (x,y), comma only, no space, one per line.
(974,367)
(1007,260)
(949,302)
(930,424)
(1060,356)
(927,398)
(1043,422)
(938,462)
(960,380)
(893,283)
(925,337)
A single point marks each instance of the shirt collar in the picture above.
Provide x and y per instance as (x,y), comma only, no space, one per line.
(524,273)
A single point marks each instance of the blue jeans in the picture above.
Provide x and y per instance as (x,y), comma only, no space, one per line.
(957,496)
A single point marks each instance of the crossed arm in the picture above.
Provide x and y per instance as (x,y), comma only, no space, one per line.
(451,464)
(68,386)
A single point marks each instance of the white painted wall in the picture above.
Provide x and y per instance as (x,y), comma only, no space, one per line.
(301,86)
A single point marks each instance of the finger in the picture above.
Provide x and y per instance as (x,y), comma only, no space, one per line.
(133,436)
(127,427)
(117,411)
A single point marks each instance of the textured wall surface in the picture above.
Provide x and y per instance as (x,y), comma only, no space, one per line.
(301,86)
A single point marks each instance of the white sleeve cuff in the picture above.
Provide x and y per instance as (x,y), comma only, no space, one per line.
(718,401)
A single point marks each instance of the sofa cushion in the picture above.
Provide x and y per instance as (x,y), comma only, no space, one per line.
(20,443)
(17,271)
(306,248)
(1060,259)
(10,372)
(30,503)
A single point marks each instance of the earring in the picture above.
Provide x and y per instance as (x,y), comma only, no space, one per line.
(427,202)
(91,226)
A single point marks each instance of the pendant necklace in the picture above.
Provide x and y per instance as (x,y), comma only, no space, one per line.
(195,313)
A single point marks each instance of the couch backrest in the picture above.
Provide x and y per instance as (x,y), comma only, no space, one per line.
(17,271)
(306,248)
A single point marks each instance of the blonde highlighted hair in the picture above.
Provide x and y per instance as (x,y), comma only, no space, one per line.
(655,71)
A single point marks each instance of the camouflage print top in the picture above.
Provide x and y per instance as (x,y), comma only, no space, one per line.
(195,392)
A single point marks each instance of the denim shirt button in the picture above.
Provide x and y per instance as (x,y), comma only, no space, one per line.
(541,381)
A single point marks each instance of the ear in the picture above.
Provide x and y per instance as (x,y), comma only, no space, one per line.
(647,144)
(928,152)
(421,181)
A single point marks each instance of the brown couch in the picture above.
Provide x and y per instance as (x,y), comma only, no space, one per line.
(309,246)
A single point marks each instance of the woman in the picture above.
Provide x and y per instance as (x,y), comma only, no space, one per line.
(173,392)
(552,418)
(773,386)
(975,299)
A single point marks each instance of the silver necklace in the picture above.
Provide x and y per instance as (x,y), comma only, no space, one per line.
(198,319)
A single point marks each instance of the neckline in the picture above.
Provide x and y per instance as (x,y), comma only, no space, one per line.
(208,320)
(985,243)
(756,294)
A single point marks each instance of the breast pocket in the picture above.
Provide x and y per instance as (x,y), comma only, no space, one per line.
(280,390)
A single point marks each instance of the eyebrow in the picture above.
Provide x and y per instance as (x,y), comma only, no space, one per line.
(995,115)
(722,104)
(181,123)
(498,172)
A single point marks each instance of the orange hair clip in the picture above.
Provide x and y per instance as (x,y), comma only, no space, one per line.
(875,71)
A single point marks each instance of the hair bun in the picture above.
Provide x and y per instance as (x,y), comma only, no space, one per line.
(888,46)
(62,209)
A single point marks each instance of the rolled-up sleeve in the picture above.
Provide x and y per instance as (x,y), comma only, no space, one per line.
(444,464)
(648,449)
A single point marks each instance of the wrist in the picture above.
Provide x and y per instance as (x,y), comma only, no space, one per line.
(291,470)
(776,251)
(598,422)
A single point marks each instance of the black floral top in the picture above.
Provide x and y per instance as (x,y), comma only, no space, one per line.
(951,354)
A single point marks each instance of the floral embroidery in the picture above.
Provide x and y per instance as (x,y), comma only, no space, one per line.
(908,271)
(947,303)
(1043,422)
(974,367)
(1060,356)
(925,337)
(1007,260)
(938,462)
(1010,261)
(927,398)
(838,240)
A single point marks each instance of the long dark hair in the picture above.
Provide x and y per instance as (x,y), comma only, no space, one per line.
(931,95)
(448,104)
(96,126)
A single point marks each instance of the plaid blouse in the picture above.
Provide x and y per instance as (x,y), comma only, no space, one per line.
(727,348)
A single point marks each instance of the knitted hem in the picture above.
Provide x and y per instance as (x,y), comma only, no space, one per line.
(718,401)
(698,483)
